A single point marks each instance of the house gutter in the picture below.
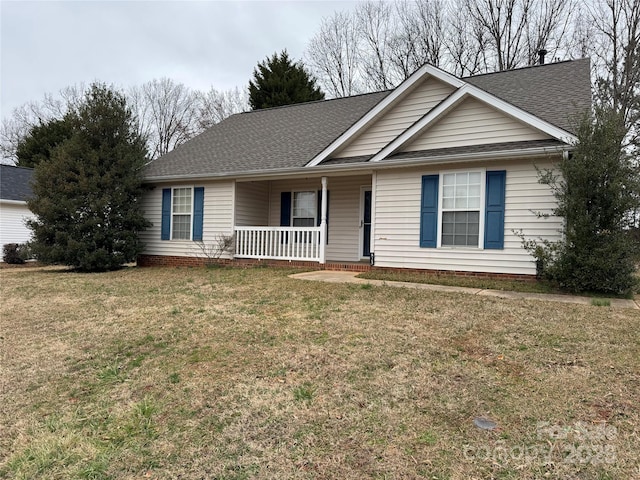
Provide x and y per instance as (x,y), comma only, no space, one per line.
(365,167)
(13,202)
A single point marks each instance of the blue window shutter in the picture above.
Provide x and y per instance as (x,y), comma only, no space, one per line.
(198,213)
(285,209)
(494,210)
(285,214)
(429,212)
(319,211)
(165,229)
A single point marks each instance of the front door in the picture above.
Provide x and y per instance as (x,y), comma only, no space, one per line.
(365,223)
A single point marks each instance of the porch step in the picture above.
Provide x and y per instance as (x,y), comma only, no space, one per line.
(348,266)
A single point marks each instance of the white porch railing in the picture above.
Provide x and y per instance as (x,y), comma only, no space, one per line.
(279,243)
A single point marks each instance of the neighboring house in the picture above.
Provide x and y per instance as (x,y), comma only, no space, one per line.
(436,174)
(15,189)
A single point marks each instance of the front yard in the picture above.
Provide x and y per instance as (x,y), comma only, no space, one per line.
(230,373)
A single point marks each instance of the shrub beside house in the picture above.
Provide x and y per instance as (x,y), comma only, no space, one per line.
(15,189)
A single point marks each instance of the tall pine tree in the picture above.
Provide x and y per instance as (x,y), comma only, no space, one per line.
(41,140)
(279,81)
(86,195)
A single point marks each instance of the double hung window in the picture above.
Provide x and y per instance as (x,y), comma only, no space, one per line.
(304,209)
(181,211)
(463,209)
(461,194)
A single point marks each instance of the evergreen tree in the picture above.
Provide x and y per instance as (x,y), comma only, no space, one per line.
(278,81)
(596,189)
(86,195)
(41,140)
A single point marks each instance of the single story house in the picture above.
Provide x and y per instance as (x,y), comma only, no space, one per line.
(436,174)
(15,190)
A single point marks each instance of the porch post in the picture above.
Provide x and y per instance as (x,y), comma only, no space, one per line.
(323,222)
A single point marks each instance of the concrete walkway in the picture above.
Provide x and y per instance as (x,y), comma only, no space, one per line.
(350,277)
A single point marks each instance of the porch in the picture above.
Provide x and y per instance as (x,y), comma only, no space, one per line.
(322,220)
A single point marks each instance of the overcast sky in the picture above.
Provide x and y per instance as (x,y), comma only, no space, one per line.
(48,45)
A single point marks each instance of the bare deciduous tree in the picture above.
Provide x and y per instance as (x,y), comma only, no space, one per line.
(333,53)
(216,105)
(466,42)
(617,56)
(167,114)
(419,36)
(375,25)
(517,29)
(380,44)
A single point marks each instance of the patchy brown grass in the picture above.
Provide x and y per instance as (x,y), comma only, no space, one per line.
(460,281)
(538,286)
(230,373)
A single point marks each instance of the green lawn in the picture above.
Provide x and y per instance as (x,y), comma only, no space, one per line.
(245,373)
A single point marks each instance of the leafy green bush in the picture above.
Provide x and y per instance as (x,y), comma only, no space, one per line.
(596,192)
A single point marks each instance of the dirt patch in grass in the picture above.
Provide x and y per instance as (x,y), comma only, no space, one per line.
(229,373)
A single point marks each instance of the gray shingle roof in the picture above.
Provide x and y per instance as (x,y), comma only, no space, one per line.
(289,137)
(15,183)
(283,137)
(555,92)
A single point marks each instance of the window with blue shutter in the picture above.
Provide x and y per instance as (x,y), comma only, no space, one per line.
(285,209)
(182,213)
(165,230)
(494,209)
(429,212)
(198,213)
(285,214)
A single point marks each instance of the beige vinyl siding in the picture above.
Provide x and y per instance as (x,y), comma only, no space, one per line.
(344,211)
(12,226)
(252,204)
(413,106)
(473,123)
(396,241)
(218,218)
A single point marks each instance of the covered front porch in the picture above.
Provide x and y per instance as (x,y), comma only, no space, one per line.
(322,219)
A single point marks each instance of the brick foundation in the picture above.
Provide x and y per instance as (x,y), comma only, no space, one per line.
(175,261)
(459,273)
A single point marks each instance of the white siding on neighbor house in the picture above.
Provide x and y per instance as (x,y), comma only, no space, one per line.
(396,239)
(12,226)
(344,211)
(218,218)
(252,204)
(409,109)
(473,123)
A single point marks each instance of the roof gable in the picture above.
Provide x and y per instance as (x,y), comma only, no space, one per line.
(415,104)
(472,122)
(452,101)
(384,106)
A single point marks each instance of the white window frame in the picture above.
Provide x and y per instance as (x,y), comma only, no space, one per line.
(173,189)
(315,210)
(482,208)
